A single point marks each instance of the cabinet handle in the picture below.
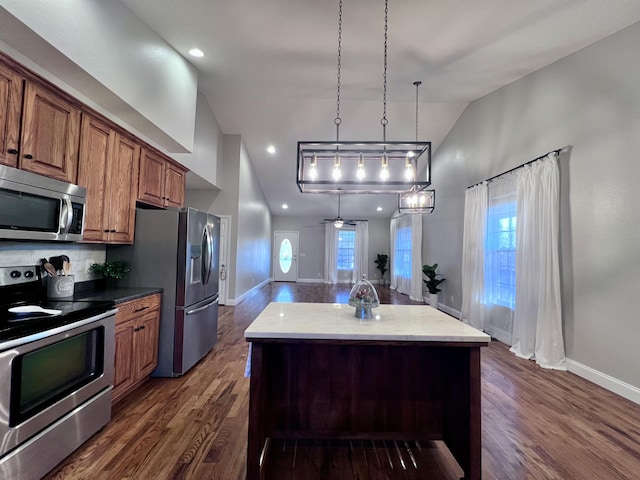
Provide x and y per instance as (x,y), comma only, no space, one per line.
(12,151)
(106,231)
(112,231)
(140,309)
(142,327)
(28,156)
(136,329)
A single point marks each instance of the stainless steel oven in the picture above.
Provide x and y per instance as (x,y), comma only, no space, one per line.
(55,386)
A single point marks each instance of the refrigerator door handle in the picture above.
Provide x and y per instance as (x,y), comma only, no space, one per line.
(204,307)
(207,257)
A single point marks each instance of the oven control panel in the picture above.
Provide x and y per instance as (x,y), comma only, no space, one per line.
(17,275)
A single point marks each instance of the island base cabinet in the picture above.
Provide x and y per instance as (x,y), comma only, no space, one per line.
(320,390)
(136,352)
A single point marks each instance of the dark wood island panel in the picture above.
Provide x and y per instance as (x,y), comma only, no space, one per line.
(366,391)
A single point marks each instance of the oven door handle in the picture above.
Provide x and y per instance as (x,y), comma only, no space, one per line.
(204,307)
(54,331)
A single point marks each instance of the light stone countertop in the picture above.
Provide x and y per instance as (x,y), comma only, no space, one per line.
(327,321)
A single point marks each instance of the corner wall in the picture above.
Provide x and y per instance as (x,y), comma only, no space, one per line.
(589,101)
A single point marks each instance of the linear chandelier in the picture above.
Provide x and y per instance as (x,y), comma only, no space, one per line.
(390,167)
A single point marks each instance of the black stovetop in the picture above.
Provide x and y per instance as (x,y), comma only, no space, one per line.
(27,289)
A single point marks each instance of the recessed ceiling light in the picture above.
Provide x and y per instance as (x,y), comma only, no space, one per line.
(379,209)
(285,206)
(196,52)
(271,149)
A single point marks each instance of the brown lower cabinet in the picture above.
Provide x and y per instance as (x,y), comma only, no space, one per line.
(137,328)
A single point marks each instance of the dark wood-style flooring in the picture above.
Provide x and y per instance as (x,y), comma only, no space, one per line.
(537,424)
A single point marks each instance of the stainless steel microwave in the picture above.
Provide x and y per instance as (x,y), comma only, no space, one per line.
(34,207)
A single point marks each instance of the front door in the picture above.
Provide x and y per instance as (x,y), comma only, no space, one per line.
(285,261)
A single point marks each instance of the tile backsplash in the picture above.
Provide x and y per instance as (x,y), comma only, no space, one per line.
(81,256)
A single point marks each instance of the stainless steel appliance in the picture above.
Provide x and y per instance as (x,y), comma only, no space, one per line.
(34,207)
(56,374)
(178,251)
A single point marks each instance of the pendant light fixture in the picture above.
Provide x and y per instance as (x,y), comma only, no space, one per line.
(390,167)
(418,199)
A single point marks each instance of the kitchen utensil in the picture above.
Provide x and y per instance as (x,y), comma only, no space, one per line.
(34,309)
(66,267)
(50,269)
(56,262)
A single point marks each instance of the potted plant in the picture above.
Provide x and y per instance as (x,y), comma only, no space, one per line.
(381,264)
(432,283)
(112,271)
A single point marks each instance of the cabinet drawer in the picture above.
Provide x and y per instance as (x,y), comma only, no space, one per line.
(136,308)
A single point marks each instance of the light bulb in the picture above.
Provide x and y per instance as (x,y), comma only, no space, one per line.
(360,173)
(408,171)
(384,170)
(423,200)
(337,172)
(338,223)
(313,167)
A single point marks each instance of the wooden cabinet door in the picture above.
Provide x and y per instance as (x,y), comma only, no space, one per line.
(124,372)
(50,134)
(122,183)
(96,146)
(174,186)
(147,343)
(11,86)
(152,178)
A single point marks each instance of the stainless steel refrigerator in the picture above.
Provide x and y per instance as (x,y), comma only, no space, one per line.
(178,251)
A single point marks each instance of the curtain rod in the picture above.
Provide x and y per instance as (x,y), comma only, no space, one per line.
(556,151)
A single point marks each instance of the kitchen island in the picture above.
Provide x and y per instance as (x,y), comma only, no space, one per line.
(410,373)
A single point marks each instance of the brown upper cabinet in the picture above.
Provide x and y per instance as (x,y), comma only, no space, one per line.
(11,86)
(108,169)
(162,182)
(50,134)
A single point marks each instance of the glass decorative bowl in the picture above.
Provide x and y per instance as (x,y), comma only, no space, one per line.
(364,297)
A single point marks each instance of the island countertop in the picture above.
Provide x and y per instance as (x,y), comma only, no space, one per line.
(326,321)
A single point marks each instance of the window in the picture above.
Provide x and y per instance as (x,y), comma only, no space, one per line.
(500,255)
(402,253)
(346,249)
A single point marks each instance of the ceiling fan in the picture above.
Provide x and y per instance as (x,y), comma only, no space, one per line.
(338,221)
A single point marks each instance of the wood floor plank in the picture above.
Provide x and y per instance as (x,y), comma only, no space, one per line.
(536,424)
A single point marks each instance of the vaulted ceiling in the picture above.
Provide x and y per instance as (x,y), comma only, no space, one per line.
(269,69)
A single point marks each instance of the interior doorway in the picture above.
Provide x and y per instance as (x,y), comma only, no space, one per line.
(225,230)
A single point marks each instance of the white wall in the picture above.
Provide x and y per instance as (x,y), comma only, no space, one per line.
(589,101)
(207,147)
(253,261)
(104,51)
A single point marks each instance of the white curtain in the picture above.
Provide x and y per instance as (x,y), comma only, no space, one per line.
(537,325)
(393,274)
(361,254)
(330,253)
(406,255)
(475,220)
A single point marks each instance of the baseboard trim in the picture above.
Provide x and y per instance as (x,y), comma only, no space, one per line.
(605,381)
(232,302)
(310,280)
